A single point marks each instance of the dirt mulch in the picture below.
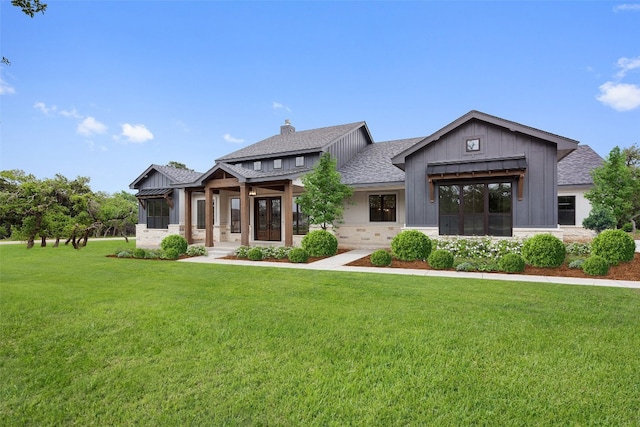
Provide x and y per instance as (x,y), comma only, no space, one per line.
(625,271)
(309,261)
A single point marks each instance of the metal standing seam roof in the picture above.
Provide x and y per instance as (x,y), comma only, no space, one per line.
(479,166)
(290,143)
(153,192)
(575,168)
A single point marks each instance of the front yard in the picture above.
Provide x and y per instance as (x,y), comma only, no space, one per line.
(91,340)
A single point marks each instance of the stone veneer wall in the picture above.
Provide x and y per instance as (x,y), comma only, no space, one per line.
(150,238)
(366,236)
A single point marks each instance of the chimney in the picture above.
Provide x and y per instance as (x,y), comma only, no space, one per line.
(287,128)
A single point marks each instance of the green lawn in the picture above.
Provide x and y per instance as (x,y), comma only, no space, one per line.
(91,340)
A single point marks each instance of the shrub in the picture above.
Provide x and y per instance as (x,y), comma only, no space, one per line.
(577,248)
(544,250)
(600,218)
(171,253)
(614,246)
(242,251)
(298,255)
(124,254)
(410,245)
(152,255)
(577,263)
(198,250)
(255,254)
(320,243)
(380,258)
(511,263)
(176,242)
(440,259)
(628,227)
(595,266)
(466,266)
(277,252)
(139,253)
(474,248)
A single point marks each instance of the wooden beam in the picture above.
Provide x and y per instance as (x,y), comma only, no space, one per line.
(188,210)
(244,214)
(208,217)
(288,214)
(223,183)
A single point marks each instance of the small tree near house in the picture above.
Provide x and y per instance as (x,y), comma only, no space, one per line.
(324,193)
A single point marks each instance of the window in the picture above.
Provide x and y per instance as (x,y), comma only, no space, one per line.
(382,208)
(201,215)
(257,165)
(277,164)
(157,213)
(475,209)
(567,210)
(299,161)
(235,215)
(300,220)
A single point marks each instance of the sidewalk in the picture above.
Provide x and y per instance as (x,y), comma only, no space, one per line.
(338,263)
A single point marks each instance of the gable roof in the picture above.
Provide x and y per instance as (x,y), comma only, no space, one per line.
(293,143)
(372,165)
(174,175)
(564,145)
(575,169)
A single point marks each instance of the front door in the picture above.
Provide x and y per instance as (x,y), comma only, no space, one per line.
(267,218)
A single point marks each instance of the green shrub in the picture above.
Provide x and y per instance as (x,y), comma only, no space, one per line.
(152,255)
(242,251)
(577,248)
(139,253)
(628,227)
(577,263)
(171,253)
(176,242)
(488,265)
(410,245)
(320,243)
(614,246)
(380,258)
(440,259)
(255,254)
(277,252)
(544,250)
(511,263)
(197,250)
(466,266)
(124,254)
(595,266)
(600,218)
(298,255)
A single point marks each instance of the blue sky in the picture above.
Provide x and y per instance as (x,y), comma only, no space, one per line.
(105,88)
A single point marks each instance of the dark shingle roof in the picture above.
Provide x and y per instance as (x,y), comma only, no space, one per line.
(178,176)
(292,143)
(372,165)
(576,167)
(253,174)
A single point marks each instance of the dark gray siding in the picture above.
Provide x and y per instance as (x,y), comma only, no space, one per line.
(288,163)
(539,205)
(158,180)
(348,146)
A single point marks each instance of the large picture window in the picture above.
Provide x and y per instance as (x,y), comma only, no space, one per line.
(235,215)
(475,209)
(201,215)
(300,220)
(567,210)
(382,208)
(157,213)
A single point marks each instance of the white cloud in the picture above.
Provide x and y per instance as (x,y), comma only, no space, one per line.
(626,7)
(6,88)
(136,133)
(44,109)
(90,126)
(620,96)
(71,114)
(227,137)
(627,64)
(278,106)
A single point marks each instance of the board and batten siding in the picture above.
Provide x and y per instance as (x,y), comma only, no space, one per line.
(539,205)
(158,180)
(349,145)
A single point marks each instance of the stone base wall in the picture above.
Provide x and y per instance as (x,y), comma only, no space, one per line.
(577,234)
(523,233)
(150,238)
(366,236)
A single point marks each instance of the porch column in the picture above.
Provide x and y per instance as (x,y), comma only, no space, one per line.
(288,213)
(187,216)
(208,217)
(244,214)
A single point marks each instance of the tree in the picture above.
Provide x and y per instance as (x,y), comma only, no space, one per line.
(613,187)
(632,160)
(118,214)
(28,8)
(324,193)
(178,165)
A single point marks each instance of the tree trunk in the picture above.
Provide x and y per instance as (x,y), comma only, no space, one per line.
(43,241)
(57,242)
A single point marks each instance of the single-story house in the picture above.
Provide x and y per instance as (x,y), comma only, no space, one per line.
(479,175)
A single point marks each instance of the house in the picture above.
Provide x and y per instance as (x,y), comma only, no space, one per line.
(479,175)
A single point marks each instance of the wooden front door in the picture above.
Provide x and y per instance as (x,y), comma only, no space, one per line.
(267,218)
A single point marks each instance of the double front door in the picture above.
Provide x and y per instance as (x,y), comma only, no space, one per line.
(268,218)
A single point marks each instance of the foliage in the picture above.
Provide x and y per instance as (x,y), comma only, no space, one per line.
(277,252)
(577,263)
(197,250)
(466,266)
(614,246)
(175,241)
(628,227)
(324,193)
(178,165)
(242,251)
(600,218)
(29,8)
(632,160)
(595,266)
(255,254)
(479,248)
(298,255)
(124,254)
(614,187)
(511,263)
(139,253)
(544,250)
(440,259)
(171,253)
(410,245)
(578,248)
(320,243)
(380,258)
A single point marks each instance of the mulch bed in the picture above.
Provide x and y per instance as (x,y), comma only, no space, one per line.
(625,271)
(309,261)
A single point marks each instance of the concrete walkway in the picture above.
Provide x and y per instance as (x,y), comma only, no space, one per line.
(338,263)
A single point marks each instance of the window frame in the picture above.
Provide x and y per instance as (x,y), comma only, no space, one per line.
(299,161)
(235,221)
(161,221)
(257,165)
(298,229)
(277,163)
(571,212)
(382,217)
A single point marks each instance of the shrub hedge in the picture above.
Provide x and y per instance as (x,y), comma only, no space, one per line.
(320,243)
(595,266)
(380,258)
(298,255)
(544,250)
(410,245)
(511,263)
(176,242)
(614,246)
(440,259)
